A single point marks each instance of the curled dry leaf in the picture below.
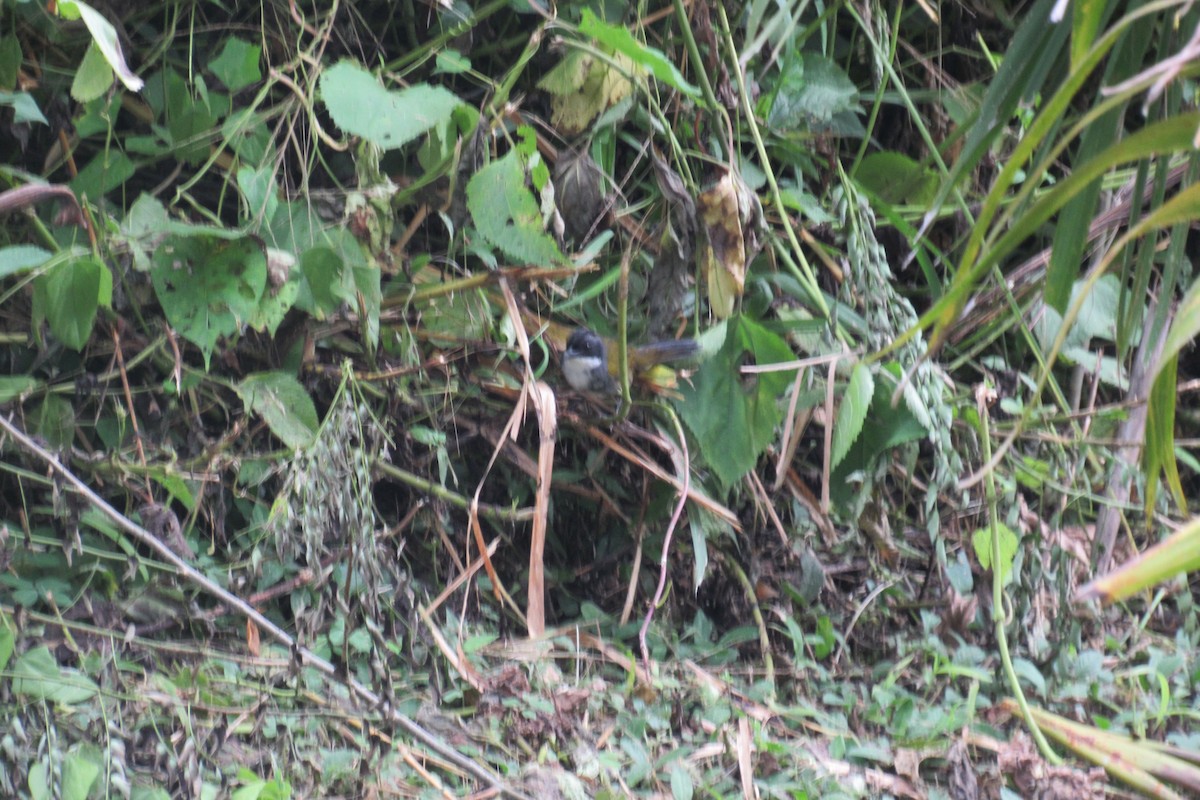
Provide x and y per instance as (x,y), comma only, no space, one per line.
(731,215)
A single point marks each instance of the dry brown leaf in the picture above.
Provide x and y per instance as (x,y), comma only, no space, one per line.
(731,215)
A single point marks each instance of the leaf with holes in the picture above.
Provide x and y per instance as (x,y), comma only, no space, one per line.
(209,287)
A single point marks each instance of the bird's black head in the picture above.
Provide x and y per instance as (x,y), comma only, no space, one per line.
(583,342)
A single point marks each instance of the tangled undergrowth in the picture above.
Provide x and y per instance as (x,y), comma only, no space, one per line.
(296,500)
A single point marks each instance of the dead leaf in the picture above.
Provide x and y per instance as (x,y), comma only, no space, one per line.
(731,215)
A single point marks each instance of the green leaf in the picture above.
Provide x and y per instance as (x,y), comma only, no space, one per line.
(896,178)
(15,387)
(284,404)
(1171,135)
(450,62)
(1071,226)
(70,295)
(53,419)
(39,781)
(8,641)
(811,88)
(732,415)
(681,782)
(276,302)
(104,36)
(208,287)
(1184,329)
(79,772)
(885,427)
(10,60)
(982,540)
(360,105)
(507,215)
(237,66)
(1158,455)
(324,289)
(1027,62)
(258,188)
(24,106)
(108,170)
(621,40)
(92,77)
(21,258)
(38,676)
(852,413)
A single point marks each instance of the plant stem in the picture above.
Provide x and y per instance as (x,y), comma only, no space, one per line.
(998,597)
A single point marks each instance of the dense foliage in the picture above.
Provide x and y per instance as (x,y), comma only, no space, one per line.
(295,499)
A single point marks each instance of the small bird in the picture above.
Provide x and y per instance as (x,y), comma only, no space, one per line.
(589,365)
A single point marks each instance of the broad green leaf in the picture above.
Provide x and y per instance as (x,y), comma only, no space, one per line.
(811,89)
(732,415)
(79,772)
(277,301)
(37,675)
(258,188)
(507,215)
(360,105)
(208,287)
(176,487)
(24,106)
(450,62)
(621,41)
(148,793)
(13,387)
(568,75)
(897,179)
(681,782)
(104,35)
(70,295)
(92,77)
(246,133)
(324,289)
(109,169)
(39,781)
(852,413)
(982,540)
(53,420)
(1027,671)
(237,66)
(284,404)
(21,258)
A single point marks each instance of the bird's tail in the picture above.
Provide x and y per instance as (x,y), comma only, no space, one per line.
(665,352)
